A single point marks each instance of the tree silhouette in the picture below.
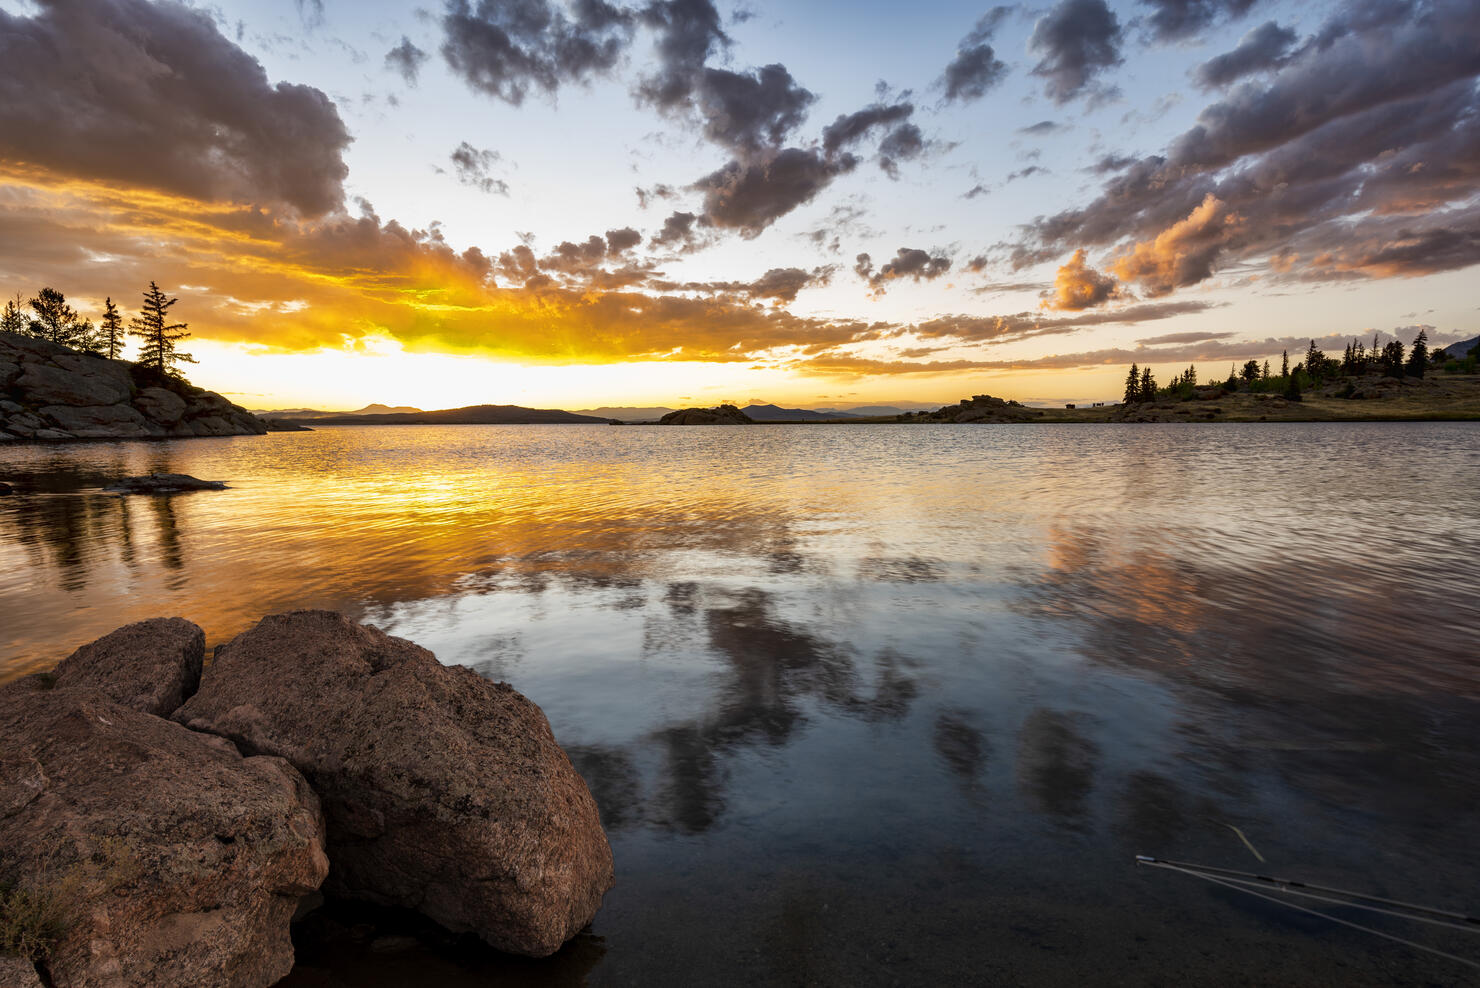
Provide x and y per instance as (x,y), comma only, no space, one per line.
(1284,363)
(13,316)
(157,352)
(110,339)
(1148,384)
(1392,358)
(1418,357)
(1251,371)
(57,322)
(1133,385)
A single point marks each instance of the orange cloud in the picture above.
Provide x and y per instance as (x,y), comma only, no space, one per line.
(1078,287)
(1185,252)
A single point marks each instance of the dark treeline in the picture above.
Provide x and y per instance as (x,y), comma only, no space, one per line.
(1390,360)
(48,316)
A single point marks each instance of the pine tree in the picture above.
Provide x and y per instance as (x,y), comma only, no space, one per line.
(157,351)
(1251,371)
(1133,385)
(1264,372)
(110,337)
(13,317)
(1418,357)
(55,321)
(1284,363)
(1148,384)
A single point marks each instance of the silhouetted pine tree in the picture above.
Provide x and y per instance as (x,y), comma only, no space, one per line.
(157,352)
(56,321)
(110,337)
(1284,363)
(13,316)
(1148,385)
(1418,357)
(1251,371)
(1133,385)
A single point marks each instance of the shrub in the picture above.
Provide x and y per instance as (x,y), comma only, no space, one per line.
(31,922)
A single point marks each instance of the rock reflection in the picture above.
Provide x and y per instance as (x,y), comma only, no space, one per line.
(1055,764)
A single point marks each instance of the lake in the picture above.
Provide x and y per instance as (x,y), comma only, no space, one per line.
(878,703)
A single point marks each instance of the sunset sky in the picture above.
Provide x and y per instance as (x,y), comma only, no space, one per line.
(570,204)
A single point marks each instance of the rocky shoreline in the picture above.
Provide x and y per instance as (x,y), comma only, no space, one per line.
(164,822)
(52,393)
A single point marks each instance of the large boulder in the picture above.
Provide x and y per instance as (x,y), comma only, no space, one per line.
(160,406)
(89,381)
(443,792)
(150,854)
(151,666)
(99,421)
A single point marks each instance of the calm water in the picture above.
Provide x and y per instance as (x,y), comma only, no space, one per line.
(879,704)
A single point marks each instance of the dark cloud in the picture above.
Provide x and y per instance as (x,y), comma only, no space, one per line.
(660,191)
(975,70)
(750,196)
(850,128)
(1025,173)
(406,59)
(472,165)
(976,190)
(1167,338)
(1042,127)
(688,31)
(1076,40)
(780,284)
(1263,48)
(1359,157)
(505,48)
(621,240)
(154,95)
(976,67)
(1112,163)
(749,112)
(678,230)
(903,143)
(909,262)
(1173,20)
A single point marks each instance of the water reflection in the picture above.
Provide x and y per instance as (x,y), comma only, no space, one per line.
(879,686)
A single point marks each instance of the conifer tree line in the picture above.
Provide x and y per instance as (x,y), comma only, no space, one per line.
(1390,360)
(48,316)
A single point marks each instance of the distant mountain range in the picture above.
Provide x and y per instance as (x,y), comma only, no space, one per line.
(1462,348)
(317,413)
(378,414)
(763,413)
(470,415)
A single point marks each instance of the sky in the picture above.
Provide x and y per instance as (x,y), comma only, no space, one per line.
(573,203)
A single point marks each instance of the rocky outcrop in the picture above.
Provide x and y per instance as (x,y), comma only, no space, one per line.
(443,792)
(51,392)
(163,483)
(723,415)
(153,855)
(150,666)
(981,408)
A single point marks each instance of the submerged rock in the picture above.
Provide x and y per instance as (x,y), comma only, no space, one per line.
(443,792)
(163,483)
(152,666)
(154,855)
